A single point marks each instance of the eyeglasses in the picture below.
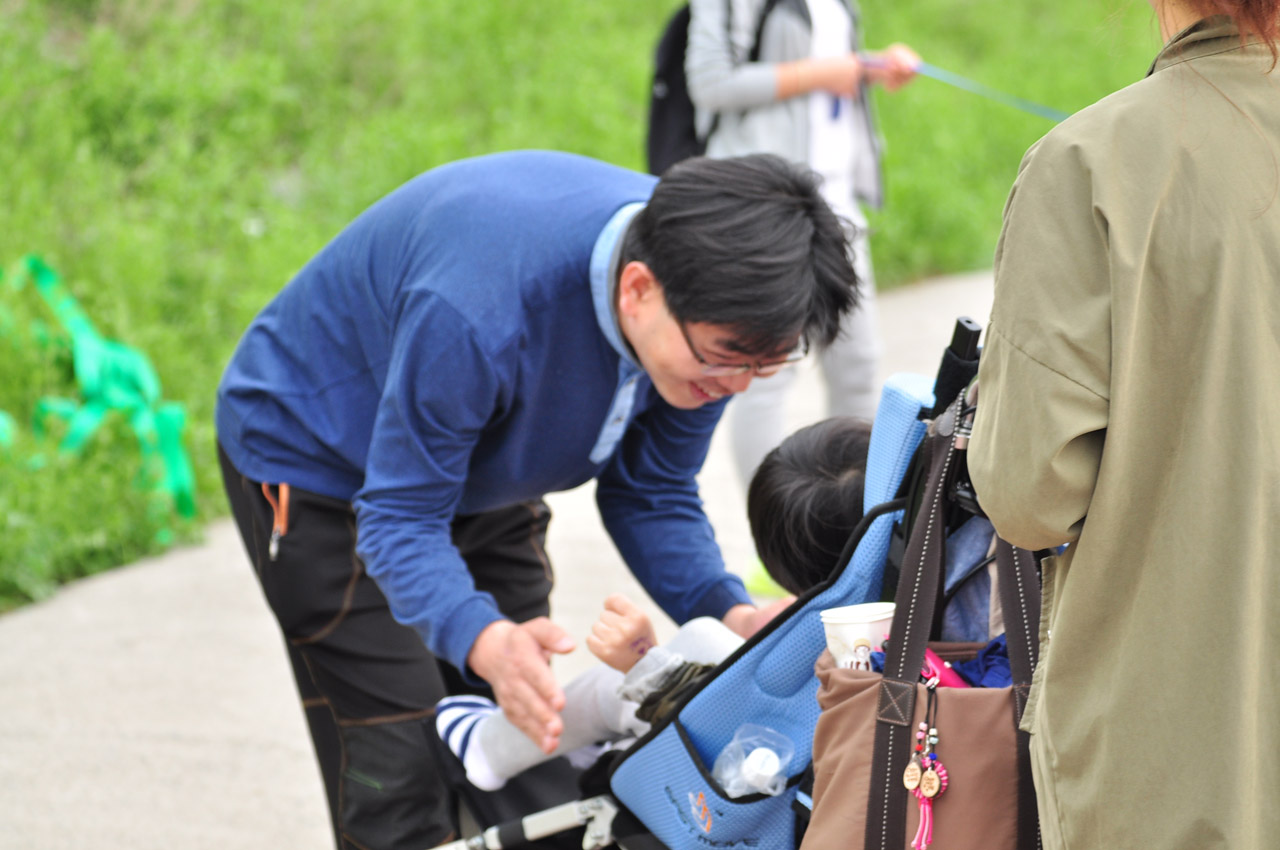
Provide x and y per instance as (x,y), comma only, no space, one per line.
(762,370)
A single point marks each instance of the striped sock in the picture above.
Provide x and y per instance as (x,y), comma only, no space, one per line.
(457,719)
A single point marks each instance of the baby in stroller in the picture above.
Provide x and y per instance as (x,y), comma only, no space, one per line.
(804,501)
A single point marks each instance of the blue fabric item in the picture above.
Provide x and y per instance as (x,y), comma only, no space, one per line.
(990,669)
(967,616)
(444,355)
(665,781)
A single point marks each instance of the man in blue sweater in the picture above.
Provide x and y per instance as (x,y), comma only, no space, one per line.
(497,329)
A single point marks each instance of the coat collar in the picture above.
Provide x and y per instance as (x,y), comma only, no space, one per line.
(1207,36)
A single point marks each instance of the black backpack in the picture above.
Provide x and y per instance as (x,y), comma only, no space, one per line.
(672,135)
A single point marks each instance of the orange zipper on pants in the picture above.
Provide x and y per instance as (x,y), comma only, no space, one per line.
(279,517)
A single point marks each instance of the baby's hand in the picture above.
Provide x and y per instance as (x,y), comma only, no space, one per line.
(622,634)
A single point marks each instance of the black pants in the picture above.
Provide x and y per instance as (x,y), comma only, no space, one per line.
(368,684)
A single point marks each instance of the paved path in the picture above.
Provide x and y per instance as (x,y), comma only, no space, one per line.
(151,708)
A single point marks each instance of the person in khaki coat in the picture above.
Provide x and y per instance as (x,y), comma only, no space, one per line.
(1129,405)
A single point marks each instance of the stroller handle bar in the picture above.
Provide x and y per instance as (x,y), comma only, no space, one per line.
(596,813)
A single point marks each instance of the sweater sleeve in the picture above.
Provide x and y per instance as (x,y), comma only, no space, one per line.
(716,67)
(1043,400)
(437,399)
(648,500)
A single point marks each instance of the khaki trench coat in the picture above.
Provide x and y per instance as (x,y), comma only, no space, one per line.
(1130,404)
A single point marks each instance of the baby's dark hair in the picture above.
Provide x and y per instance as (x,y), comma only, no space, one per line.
(806,498)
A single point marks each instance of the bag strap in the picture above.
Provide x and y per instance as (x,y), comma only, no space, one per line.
(917,597)
(917,594)
(752,56)
(1020,601)
(1021,605)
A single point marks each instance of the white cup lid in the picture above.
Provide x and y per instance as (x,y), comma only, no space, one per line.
(870,612)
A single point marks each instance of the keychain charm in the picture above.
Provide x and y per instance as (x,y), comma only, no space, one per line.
(934,780)
(926,776)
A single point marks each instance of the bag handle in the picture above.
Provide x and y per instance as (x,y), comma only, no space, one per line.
(917,597)
(1020,600)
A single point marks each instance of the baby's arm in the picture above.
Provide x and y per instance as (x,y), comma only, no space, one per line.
(622,634)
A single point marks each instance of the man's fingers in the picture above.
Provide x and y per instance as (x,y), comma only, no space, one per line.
(514,661)
(537,676)
(537,712)
(531,714)
(548,635)
(546,737)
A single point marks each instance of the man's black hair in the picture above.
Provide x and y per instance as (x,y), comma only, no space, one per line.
(748,243)
(806,498)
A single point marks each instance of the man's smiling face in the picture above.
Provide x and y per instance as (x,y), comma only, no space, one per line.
(685,361)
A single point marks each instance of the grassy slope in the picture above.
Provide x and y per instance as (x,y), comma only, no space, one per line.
(952,155)
(176,161)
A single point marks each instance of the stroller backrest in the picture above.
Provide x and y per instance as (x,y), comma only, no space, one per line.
(665,780)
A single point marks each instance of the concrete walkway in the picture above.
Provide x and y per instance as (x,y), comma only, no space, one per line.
(152,708)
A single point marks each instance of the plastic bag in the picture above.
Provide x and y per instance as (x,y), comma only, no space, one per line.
(754,762)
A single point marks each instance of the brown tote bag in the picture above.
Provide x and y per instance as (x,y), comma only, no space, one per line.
(865,736)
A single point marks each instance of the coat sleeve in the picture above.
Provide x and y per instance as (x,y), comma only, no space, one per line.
(716,68)
(438,397)
(648,500)
(1044,378)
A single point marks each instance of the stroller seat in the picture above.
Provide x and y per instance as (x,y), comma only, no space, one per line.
(665,779)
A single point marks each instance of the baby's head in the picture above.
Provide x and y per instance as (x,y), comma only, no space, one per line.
(806,498)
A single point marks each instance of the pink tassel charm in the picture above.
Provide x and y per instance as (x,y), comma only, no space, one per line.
(924,834)
(932,784)
(933,780)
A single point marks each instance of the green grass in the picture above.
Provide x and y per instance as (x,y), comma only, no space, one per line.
(177,161)
(951,155)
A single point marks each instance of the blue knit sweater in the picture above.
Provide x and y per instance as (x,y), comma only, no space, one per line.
(454,350)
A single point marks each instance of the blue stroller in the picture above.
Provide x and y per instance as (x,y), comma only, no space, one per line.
(660,793)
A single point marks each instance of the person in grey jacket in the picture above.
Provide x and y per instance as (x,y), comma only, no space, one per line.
(805,100)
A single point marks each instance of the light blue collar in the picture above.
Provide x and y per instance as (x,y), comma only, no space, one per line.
(604,277)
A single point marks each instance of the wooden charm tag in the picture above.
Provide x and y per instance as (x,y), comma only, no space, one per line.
(930,784)
(911,776)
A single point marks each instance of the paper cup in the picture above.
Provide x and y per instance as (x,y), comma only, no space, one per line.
(855,631)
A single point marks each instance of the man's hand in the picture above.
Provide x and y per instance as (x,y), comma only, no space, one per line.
(746,620)
(622,634)
(513,660)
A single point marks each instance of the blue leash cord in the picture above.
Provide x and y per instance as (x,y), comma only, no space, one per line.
(960,82)
(944,76)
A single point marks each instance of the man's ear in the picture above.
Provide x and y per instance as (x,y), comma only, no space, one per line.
(638,289)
